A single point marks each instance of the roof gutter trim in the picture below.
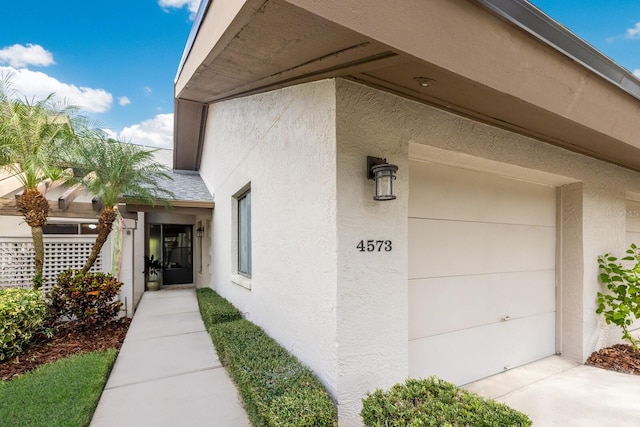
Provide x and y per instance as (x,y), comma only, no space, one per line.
(531,19)
(197,22)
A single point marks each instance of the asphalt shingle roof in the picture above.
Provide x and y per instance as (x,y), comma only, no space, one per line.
(186,185)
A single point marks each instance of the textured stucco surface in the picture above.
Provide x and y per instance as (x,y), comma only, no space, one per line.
(283,144)
(302,150)
(591,226)
(372,286)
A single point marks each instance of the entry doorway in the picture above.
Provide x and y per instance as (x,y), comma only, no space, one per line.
(173,244)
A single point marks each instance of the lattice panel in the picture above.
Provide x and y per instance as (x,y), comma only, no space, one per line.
(16,259)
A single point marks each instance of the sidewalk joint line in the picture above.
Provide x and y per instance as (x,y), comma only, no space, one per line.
(164,377)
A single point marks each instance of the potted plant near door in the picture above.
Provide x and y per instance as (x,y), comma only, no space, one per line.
(152,269)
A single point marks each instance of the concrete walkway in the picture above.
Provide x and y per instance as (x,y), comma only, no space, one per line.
(555,392)
(167,372)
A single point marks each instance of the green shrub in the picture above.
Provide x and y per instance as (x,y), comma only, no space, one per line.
(621,306)
(434,402)
(89,298)
(215,309)
(276,388)
(22,313)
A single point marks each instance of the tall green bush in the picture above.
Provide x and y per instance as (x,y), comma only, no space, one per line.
(22,315)
(621,305)
(89,298)
(433,402)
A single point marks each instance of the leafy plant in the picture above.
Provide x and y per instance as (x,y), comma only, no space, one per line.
(621,306)
(32,135)
(90,298)
(23,313)
(151,267)
(434,402)
(112,170)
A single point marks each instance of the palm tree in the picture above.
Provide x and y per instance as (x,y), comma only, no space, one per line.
(110,170)
(32,133)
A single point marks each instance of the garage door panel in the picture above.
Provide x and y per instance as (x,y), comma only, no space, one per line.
(445,192)
(447,304)
(471,354)
(448,248)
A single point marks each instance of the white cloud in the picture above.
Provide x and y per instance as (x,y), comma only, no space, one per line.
(192,5)
(19,56)
(155,132)
(38,85)
(633,33)
(147,90)
(636,72)
(123,100)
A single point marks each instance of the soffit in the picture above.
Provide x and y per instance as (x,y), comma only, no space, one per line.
(278,44)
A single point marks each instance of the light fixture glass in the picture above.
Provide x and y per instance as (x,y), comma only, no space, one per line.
(200,231)
(384,175)
(424,81)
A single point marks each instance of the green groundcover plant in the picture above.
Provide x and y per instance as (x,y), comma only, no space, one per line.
(60,394)
(23,313)
(433,402)
(621,305)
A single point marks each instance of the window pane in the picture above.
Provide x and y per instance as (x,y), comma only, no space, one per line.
(244,234)
(60,229)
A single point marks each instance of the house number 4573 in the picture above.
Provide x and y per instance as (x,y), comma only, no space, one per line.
(374,245)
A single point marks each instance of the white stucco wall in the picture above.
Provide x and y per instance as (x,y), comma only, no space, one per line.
(372,325)
(594,190)
(302,150)
(283,144)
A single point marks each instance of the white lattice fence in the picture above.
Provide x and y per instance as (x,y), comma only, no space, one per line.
(60,254)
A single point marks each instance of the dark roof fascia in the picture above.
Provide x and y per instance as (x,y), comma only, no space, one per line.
(197,22)
(531,19)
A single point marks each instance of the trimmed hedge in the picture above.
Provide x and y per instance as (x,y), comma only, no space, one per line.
(437,403)
(276,388)
(215,309)
(23,313)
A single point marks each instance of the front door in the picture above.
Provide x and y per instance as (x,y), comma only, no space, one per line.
(177,256)
(175,251)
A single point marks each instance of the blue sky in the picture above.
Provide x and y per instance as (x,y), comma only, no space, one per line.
(611,26)
(118,58)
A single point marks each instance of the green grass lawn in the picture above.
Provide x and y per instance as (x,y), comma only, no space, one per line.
(63,393)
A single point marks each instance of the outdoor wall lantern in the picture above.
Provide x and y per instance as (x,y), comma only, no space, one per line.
(200,232)
(384,174)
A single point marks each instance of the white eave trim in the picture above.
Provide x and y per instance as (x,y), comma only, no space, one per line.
(197,22)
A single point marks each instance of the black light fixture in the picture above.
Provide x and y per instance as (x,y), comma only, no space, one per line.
(200,232)
(384,174)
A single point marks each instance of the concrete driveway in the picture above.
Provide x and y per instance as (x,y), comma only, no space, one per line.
(558,393)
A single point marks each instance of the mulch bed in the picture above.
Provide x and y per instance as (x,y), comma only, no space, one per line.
(619,358)
(68,340)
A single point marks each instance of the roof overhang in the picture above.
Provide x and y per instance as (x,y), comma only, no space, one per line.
(499,61)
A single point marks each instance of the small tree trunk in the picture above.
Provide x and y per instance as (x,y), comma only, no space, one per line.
(38,246)
(105,223)
(34,207)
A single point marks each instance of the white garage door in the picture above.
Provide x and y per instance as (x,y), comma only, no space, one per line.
(481,272)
